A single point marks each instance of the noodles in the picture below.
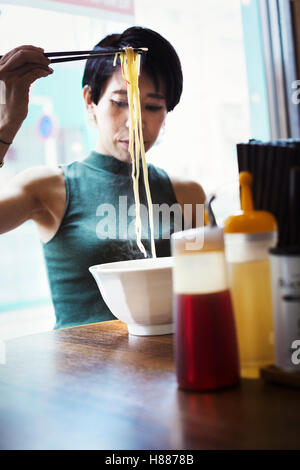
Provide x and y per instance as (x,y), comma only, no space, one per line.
(130,62)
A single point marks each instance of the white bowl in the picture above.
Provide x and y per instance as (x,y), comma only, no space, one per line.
(138,292)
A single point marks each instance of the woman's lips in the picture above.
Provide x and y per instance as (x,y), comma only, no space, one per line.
(125,143)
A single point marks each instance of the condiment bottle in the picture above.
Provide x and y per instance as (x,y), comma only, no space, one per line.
(206,350)
(248,237)
(285,263)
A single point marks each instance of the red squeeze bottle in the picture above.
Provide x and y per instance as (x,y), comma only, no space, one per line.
(206,350)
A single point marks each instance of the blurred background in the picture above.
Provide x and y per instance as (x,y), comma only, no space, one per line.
(227,98)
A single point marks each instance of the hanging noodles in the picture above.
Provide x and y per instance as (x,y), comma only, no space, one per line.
(130,62)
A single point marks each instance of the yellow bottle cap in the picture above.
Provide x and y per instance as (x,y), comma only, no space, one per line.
(250,221)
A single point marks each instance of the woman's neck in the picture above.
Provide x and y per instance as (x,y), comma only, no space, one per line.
(121,154)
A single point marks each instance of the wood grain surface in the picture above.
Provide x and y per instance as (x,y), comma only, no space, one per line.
(96,387)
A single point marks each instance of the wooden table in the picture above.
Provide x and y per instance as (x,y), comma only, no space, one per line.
(96,387)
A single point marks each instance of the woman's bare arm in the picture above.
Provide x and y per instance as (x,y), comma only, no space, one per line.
(36,194)
(19,68)
(191,194)
(18,202)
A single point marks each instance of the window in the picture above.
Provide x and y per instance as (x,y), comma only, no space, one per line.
(200,136)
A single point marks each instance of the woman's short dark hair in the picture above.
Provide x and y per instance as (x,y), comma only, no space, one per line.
(161,63)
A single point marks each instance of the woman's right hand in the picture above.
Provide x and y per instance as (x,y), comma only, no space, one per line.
(19,68)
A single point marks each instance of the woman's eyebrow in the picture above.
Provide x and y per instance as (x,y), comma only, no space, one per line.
(158,96)
(120,92)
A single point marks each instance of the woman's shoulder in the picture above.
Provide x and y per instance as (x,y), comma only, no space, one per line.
(39,175)
(43,183)
(188,191)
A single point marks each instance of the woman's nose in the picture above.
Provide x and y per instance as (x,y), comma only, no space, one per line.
(143,119)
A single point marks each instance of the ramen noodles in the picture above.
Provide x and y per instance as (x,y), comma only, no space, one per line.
(130,63)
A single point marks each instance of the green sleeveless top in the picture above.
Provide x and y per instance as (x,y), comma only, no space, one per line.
(98,227)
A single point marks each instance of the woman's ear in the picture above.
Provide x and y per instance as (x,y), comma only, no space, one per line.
(89,104)
(87,96)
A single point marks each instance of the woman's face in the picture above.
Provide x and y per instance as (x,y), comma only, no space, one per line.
(112,115)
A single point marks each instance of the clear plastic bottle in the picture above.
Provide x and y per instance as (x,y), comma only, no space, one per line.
(248,237)
(206,350)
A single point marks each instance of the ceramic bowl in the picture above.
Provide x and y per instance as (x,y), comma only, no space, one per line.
(138,292)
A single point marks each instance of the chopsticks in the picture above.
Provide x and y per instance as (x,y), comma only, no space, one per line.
(82,55)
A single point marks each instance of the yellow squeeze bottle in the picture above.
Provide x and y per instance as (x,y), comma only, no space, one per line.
(248,237)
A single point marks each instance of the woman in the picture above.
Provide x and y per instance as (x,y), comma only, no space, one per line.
(67,203)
